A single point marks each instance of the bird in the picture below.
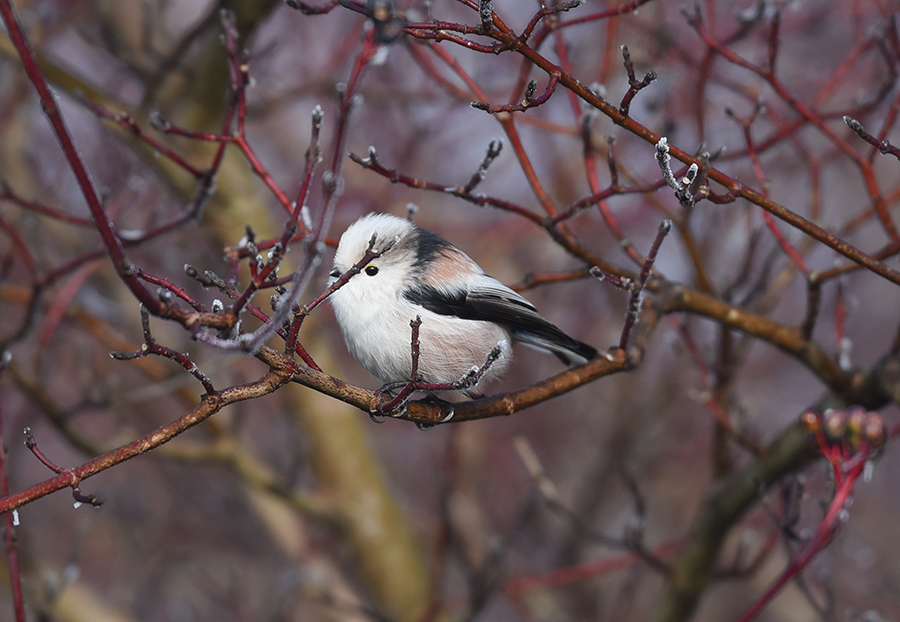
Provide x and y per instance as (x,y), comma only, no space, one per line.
(467,317)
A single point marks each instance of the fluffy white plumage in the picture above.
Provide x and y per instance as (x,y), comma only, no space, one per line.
(465,313)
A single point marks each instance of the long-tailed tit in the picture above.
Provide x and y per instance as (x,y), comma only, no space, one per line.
(464,313)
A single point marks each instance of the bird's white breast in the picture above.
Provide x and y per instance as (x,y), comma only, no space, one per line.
(375,323)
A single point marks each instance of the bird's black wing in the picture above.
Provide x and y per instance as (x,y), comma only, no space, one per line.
(489,300)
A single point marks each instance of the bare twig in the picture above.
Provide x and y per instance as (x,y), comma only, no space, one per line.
(884,146)
(634,85)
(151,347)
(79,497)
(10,519)
(529,101)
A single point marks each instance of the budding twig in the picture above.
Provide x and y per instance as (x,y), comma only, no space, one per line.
(634,85)
(494,149)
(884,146)
(79,497)
(682,188)
(528,101)
(251,342)
(849,440)
(373,164)
(548,12)
(636,288)
(151,347)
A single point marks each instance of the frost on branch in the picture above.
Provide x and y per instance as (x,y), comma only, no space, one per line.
(681,187)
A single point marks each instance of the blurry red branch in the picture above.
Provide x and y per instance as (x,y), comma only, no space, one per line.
(10,519)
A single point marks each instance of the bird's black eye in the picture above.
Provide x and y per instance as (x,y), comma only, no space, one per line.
(371,270)
(335,273)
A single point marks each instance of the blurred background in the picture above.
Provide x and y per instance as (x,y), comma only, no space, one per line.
(297,507)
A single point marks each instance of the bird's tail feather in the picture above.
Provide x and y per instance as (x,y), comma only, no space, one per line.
(569,351)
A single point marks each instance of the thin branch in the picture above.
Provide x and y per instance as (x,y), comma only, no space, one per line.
(529,101)
(634,85)
(79,497)
(884,146)
(151,347)
(124,267)
(10,519)
(493,151)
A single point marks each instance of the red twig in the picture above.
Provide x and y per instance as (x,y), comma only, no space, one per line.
(72,482)
(622,9)
(848,440)
(8,194)
(372,163)
(151,347)
(546,12)
(58,307)
(528,101)
(124,267)
(113,242)
(884,146)
(516,588)
(332,179)
(746,125)
(19,248)
(210,279)
(127,122)
(10,519)
(507,122)
(804,110)
(268,269)
(531,279)
(446,31)
(169,286)
(634,85)
(634,303)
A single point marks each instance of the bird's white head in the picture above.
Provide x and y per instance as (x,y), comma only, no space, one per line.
(394,268)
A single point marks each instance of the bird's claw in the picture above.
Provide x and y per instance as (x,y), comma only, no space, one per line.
(450,412)
(400,409)
(392,407)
